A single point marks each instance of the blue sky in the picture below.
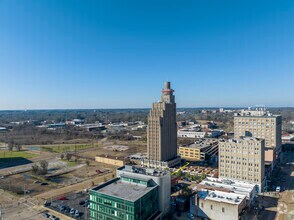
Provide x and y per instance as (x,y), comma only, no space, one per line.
(117,54)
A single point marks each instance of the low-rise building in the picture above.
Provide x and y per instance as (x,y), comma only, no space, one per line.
(3,129)
(115,161)
(94,127)
(199,150)
(75,122)
(184,133)
(249,190)
(219,205)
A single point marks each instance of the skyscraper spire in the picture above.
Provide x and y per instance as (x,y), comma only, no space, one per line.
(167,94)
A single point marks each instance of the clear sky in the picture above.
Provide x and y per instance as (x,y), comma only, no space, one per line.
(117,54)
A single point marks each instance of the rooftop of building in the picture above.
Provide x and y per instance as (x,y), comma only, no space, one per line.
(235,186)
(259,112)
(239,140)
(232,198)
(202,143)
(143,170)
(125,190)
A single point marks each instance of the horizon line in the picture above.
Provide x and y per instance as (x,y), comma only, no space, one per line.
(138,108)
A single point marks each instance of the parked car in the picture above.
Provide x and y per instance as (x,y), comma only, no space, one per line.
(72,211)
(45,214)
(82,202)
(278,189)
(62,208)
(52,217)
(46,203)
(67,210)
(77,214)
(190,215)
(62,198)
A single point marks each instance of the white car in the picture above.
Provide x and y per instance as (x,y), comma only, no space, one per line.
(278,189)
(72,211)
(77,214)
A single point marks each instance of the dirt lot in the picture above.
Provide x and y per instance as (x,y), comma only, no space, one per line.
(134,147)
(21,184)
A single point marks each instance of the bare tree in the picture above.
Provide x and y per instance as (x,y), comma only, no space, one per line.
(17,147)
(10,146)
(68,156)
(35,169)
(43,167)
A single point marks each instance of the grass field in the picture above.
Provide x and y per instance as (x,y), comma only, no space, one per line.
(16,154)
(60,148)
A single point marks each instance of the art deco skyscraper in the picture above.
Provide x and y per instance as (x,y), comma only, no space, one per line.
(162,130)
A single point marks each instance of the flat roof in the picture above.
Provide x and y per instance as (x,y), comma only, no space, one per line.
(243,138)
(126,191)
(202,143)
(199,146)
(257,116)
(143,178)
(235,186)
(133,169)
(218,196)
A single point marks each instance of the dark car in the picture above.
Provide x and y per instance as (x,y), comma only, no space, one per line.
(46,203)
(82,202)
(62,208)
(45,214)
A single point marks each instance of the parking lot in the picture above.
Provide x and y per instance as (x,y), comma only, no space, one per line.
(73,204)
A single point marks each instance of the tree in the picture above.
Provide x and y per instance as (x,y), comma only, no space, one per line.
(43,167)
(68,156)
(62,156)
(203,176)
(10,145)
(186,191)
(88,162)
(35,169)
(196,177)
(18,147)
(179,173)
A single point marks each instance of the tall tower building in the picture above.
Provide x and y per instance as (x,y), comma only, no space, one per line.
(162,131)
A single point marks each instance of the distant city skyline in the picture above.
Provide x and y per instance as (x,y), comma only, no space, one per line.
(114,54)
